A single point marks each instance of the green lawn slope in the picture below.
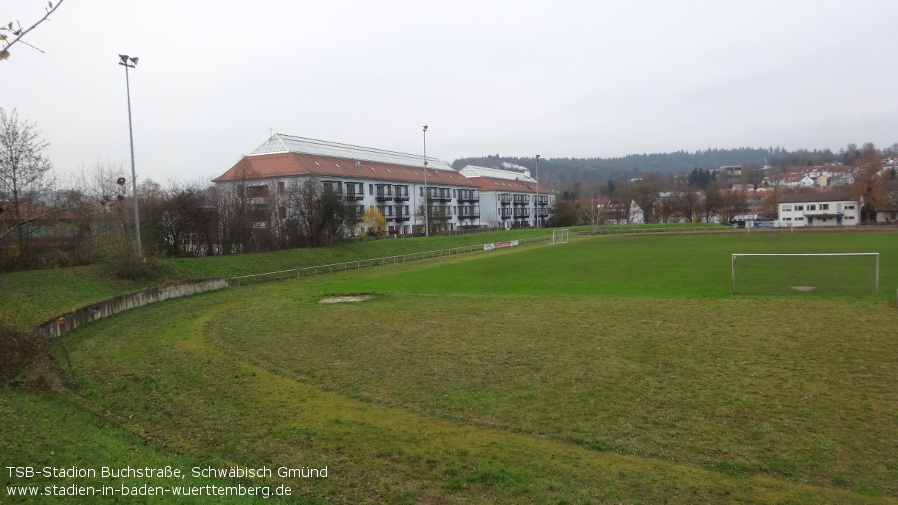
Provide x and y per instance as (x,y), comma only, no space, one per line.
(613,369)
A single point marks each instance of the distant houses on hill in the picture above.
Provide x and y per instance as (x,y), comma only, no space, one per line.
(825,176)
(805,196)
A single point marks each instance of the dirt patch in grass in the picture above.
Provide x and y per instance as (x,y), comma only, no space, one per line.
(344,299)
(802,288)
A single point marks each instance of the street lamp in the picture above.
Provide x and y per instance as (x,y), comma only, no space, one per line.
(536,203)
(131,62)
(426,193)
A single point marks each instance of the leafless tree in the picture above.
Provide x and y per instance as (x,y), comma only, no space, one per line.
(318,215)
(646,196)
(24,178)
(712,203)
(869,184)
(732,203)
(689,202)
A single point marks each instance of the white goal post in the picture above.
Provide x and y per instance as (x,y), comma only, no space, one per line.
(560,237)
(875,255)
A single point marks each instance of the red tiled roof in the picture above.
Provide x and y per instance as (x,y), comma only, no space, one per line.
(266,166)
(497,184)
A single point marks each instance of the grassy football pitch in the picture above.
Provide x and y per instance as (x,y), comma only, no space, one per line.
(605,370)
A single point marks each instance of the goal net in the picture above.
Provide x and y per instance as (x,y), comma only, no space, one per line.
(560,237)
(833,274)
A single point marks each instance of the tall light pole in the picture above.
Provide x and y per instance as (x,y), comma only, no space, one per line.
(131,62)
(536,203)
(426,193)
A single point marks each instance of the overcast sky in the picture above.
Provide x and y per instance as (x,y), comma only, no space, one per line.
(519,78)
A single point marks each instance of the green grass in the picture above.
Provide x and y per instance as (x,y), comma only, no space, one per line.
(825,276)
(246,264)
(57,431)
(606,400)
(653,266)
(608,370)
(32,297)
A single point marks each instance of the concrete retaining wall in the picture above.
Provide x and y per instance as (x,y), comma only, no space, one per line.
(65,323)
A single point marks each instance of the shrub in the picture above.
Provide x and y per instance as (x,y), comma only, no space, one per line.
(19,351)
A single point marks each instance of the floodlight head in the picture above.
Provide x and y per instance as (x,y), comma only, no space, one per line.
(537,157)
(124,58)
(425,127)
(134,61)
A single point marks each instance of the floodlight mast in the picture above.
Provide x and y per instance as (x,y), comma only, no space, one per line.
(131,62)
(536,203)
(426,192)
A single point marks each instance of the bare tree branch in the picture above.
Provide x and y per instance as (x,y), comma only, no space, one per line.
(4,53)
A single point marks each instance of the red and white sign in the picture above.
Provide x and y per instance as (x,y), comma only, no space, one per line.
(497,245)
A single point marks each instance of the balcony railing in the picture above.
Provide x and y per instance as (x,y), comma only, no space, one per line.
(400,193)
(402,213)
(467,196)
(438,211)
(440,196)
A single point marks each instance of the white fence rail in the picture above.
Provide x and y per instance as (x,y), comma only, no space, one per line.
(666,229)
(358,264)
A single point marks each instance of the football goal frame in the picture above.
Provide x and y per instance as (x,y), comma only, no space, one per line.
(874,254)
(560,236)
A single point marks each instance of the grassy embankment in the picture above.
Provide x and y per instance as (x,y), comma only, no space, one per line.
(30,298)
(599,371)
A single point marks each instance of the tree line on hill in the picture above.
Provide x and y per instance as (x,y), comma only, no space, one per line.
(561,172)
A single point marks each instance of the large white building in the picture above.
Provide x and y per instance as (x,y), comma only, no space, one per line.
(510,199)
(393,182)
(818,209)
